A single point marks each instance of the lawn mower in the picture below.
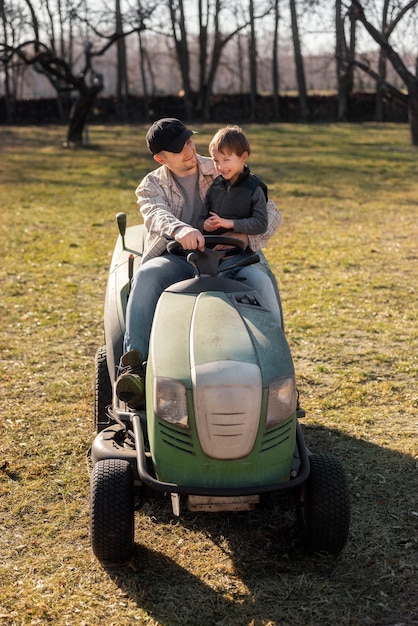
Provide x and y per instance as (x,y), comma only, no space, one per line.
(220,426)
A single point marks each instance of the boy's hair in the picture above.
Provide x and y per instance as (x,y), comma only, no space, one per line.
(230,140)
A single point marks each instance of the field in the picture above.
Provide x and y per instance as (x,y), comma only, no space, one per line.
(346,261)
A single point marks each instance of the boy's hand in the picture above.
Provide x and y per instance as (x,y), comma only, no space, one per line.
(214,221)
(208,226)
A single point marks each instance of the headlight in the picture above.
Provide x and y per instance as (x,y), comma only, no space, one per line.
(170,401)
(282,400)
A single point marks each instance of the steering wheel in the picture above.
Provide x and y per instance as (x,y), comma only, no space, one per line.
(236,245)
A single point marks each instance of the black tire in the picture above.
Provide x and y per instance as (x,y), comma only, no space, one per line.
(112,510)
(324,509)
(102,390)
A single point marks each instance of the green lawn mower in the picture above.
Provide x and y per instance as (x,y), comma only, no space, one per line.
(220,427)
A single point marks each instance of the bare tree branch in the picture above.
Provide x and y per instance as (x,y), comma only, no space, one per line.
(396,93)
(382,39)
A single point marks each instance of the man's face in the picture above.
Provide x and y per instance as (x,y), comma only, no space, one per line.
(181,163)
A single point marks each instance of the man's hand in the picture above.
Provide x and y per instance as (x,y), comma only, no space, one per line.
(190,238)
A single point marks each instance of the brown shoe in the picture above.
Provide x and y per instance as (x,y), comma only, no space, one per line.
(130,384)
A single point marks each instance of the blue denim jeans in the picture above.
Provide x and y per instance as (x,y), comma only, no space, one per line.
(157,274)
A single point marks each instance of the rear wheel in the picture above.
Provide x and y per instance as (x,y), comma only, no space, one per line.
(102,390)
(324,508)
(112,510)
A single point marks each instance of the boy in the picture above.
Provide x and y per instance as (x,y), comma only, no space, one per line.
(236,200)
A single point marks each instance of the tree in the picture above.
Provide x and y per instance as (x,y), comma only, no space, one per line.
(275,62)
(122,73)
(8,32)
(216,29)
(344,51)
(53,59)
(382,69)
(60,75)
(252,54)
(144,65)
(138,13)
(410,79)
(300,71)
(179,32)
(211,48)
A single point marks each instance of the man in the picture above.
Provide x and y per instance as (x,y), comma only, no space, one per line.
(171,200)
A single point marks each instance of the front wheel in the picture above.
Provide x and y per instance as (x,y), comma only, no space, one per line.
(324,506)
(112,510)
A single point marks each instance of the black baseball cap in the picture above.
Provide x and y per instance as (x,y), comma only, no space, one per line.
(168,134)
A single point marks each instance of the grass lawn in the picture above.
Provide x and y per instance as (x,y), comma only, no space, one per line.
(346,261)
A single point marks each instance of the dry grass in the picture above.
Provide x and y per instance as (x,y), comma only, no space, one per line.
(346,258)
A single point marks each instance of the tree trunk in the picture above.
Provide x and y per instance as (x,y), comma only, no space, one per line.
(345,67)
(203,56)
(143,74)
(9,101)
(413,108)
(352,52)
(178,23)
(252,45)
(240,62)
(300,71)
(381,68)
(208,87)
(378,109)
(340,53)
(275,65)
(122,72)
(81,111)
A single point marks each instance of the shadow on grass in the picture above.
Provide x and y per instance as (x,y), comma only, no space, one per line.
(263,576)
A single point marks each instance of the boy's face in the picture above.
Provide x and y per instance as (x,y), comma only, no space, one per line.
(229,165)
